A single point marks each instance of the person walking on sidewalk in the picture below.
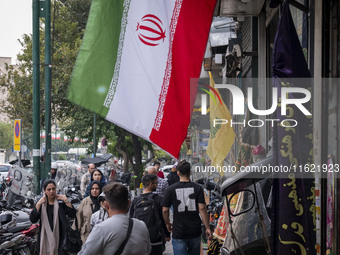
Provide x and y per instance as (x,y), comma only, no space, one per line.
(86,178)
(160,173)
(162,184)
(52,211)
(188,202)
(173,176)
(147,207)
(87,208)
(118,232)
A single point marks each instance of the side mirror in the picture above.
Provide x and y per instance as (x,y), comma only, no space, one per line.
(247,204)
(17,175)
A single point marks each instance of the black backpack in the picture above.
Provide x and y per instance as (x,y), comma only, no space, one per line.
(145,209)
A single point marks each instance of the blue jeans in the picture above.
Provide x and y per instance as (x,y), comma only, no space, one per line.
(190,246)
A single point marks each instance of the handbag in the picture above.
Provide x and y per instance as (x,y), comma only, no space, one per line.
(72,241)
(122,246)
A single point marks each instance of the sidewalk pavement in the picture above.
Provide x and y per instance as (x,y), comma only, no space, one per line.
(169,251)
(168,245)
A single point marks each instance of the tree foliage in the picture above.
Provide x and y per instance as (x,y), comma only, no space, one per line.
(68,25)
(6,136)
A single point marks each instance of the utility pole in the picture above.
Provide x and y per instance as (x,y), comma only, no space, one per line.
(41,9)
(48,72)
(36,94)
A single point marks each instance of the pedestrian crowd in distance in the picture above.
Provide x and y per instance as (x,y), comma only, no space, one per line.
(109,223)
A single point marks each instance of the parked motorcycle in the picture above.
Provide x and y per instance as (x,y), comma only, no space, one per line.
(17,233)
(215,205)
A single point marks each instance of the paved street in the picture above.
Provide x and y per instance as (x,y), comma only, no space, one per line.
(168,249)
(168,246)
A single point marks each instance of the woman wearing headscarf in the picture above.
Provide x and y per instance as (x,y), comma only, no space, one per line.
(51,210)
(96,175)
(88,206)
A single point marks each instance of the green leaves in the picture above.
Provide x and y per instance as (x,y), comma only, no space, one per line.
(68,25)
(6,136)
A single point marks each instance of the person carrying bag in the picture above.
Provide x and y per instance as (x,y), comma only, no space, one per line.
(72,241)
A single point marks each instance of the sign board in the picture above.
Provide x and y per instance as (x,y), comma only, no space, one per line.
(17,135)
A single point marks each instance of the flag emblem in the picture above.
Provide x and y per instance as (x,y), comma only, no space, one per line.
(150,30)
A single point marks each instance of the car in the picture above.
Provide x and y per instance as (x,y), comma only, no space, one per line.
(62,163)
(166,169)
(4,169)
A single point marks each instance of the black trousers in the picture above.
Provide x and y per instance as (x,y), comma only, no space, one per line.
(157,250)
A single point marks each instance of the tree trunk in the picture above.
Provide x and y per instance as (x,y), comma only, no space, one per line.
(125,158)
(137,166)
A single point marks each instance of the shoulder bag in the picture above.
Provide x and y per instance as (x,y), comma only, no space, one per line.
(122,246)
(72,241)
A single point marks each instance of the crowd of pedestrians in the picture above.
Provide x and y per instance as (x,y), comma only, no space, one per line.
(110,223)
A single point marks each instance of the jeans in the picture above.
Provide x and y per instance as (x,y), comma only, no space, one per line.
(190,246)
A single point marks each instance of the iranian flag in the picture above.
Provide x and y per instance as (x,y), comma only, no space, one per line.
(135,64)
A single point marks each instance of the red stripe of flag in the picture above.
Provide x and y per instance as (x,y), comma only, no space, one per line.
(188,50)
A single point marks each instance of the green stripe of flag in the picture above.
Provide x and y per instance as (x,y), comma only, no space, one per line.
(97,56)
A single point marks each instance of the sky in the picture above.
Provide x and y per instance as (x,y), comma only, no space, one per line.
(15,20)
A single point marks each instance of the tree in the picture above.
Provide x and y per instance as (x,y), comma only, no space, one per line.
(68,24)
(66,37)
(6,136)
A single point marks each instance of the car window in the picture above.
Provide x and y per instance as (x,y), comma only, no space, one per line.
(166,169)
(4,168)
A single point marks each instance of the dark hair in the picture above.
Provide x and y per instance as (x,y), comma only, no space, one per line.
(147,179)
(184,168)
(156,163)
(99,185)
(97,170)
(116,195)
(49,181)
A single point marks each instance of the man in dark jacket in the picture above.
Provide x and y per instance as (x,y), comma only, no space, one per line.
(173,176)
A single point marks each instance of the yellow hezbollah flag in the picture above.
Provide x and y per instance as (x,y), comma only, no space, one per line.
(222,136)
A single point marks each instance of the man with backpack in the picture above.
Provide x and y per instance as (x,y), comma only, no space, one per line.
(187,199)
(118,234)
(147,208)
(162,184)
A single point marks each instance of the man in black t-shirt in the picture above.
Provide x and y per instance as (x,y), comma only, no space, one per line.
(188,202)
